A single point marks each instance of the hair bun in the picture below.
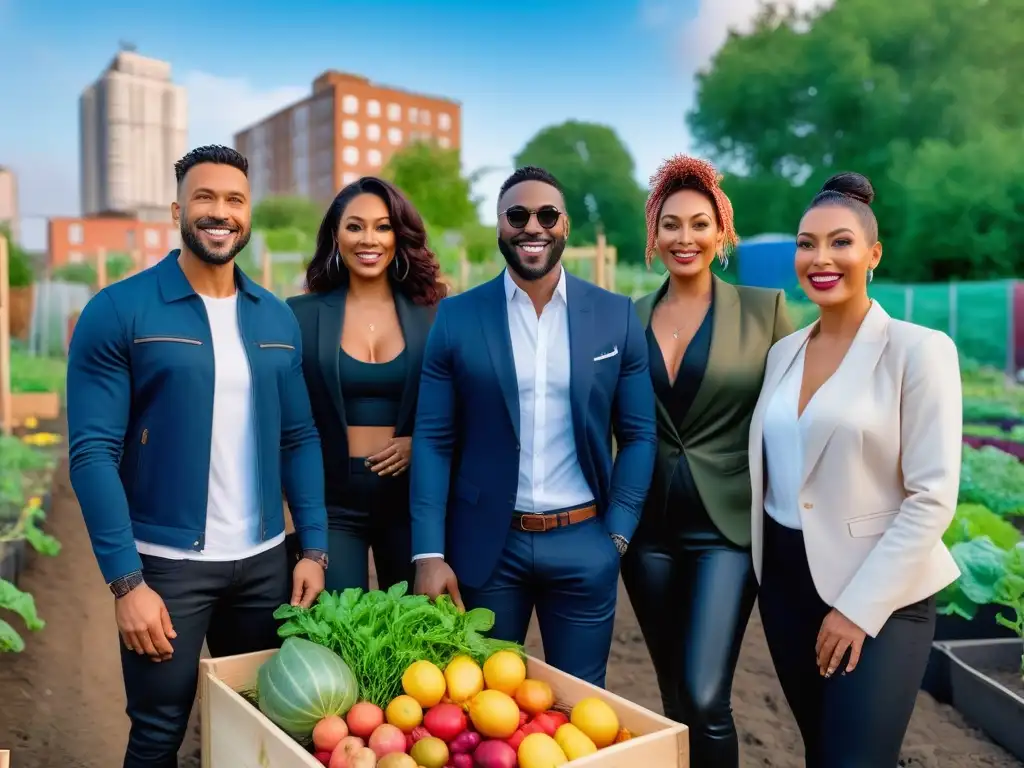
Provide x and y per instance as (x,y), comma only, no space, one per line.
(849,184)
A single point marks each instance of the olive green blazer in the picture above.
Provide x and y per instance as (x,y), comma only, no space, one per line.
(713,434)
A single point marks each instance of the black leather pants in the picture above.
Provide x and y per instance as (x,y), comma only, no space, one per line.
(693,591)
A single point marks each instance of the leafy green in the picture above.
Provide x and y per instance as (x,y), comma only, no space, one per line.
(23,604)
(992,478)
(973,521)
(379,634)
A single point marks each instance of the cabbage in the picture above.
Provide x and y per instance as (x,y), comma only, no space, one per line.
(303,683)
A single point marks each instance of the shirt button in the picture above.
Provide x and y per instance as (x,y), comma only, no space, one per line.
(808,505)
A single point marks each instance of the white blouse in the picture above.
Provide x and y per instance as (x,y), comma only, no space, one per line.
(784,435)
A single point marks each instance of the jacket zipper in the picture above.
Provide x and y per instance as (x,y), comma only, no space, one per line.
(178,339)
(255,421)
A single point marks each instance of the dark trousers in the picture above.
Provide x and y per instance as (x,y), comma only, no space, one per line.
(375,515)
(231,606)
(571,576)
(855,720)
(693,592)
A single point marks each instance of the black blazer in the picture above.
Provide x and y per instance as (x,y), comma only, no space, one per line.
(320,317)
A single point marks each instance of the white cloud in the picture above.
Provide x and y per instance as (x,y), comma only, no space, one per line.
(219,107)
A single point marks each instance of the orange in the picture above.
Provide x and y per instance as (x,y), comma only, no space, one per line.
(534,697)
(494,714)
(597,720)
(424,681)
(404,712)
(504,671)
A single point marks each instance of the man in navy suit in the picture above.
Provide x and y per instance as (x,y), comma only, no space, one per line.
(515,500)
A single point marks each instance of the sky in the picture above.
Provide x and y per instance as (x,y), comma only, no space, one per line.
(515,67)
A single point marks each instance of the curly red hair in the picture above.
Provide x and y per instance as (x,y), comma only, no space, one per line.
(684,172)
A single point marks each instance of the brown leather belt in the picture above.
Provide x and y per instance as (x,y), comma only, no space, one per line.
(535,523)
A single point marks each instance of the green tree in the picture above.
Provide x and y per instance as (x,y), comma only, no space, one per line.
(431,177)
(598,175)
(287,212)
(19,269)
(864,86)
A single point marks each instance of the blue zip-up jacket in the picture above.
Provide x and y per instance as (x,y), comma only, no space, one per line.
(140,416)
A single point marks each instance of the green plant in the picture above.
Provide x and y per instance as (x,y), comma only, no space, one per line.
(992,478)
(31,373)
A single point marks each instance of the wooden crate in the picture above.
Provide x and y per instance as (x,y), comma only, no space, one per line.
(235,733)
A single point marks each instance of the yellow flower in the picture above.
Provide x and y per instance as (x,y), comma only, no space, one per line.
(35,502)
(31,422)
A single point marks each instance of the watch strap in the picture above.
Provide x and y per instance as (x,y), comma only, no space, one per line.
(122,586)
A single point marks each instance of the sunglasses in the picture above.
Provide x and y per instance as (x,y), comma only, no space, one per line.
(518,216)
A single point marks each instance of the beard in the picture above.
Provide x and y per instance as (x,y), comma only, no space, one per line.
(530,272)
(190,237)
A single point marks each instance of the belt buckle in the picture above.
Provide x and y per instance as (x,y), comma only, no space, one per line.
(530,529)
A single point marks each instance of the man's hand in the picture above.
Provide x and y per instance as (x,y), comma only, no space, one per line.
(307,582)
(144,623)
(394,459)
(837,634)
(435,577)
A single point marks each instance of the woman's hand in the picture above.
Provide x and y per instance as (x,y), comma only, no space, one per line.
(837,634)
(394,459)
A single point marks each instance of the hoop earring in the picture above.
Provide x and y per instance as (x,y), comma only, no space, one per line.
(871,274)
(405,274)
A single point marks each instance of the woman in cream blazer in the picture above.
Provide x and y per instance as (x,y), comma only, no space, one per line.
(855,449)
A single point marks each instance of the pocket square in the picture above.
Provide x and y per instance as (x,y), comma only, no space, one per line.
(606,355)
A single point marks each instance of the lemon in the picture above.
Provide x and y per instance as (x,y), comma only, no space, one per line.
(504,671)
(464,679)
(597,720)
(425,682)
(405,713)
(494,714)
(538,750)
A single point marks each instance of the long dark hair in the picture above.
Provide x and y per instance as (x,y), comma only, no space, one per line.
(420,280)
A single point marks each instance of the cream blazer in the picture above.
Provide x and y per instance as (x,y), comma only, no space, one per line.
(881,467)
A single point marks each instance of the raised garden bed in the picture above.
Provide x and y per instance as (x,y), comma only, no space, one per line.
(985,681)
(982,627)
(1007,446)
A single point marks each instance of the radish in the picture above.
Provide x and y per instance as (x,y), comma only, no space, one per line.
(495,754)
(465,743)
(445,721)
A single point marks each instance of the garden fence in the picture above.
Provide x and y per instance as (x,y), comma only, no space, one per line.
(54,305)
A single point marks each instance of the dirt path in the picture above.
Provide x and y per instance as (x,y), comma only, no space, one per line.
(62,700)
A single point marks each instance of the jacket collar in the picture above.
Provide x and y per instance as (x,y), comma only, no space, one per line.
(174,286)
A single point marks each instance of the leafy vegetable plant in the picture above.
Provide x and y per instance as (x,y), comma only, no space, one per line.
(379,634)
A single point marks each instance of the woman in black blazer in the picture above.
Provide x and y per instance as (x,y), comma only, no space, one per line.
(373,288)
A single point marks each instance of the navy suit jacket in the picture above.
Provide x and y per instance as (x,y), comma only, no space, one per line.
(465,467)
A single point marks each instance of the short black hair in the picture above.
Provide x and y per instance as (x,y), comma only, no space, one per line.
(212,153)
(530,173)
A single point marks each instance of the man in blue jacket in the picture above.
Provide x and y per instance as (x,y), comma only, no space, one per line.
(515,499)
(187,416)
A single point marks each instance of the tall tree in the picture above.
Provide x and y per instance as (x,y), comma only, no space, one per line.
(432,178)
(597,172)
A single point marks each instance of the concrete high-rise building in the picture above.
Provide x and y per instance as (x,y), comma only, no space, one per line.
(346,128)
(9,203)
(133,127)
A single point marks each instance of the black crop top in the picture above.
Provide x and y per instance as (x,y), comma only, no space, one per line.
(371,391)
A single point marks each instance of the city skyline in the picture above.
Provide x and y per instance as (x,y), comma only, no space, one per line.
(629,65)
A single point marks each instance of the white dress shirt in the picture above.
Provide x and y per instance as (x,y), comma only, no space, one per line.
(784,435)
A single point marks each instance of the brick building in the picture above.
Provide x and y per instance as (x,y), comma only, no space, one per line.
(77,240)
(348,127)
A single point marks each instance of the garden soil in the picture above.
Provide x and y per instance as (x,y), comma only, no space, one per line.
(62,701)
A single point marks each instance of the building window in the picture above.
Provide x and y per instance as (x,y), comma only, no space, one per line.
(443,142)
(373,132)
(394,112)
(350,129)
(373,108)
(414,115)
(425,117)
(350,155)
(348,177)
(349,105)
(152,238)
(75,234)
(173,239)
(75,257)
(373,157)
(444,121)
(395,136)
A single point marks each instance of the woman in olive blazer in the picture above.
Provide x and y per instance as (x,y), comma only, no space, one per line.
(688,570)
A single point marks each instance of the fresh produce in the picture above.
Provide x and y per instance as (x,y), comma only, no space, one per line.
(546,723)
(465,743)
(430,752)
(461,761)
(445,721)
(396,760)
(345,752)
(425,682)
(495,754)
(504,671)
(404,712)
(574,742)
(322,757)
(597,720)
(534,696)
(361,758)
(329,732)
(380,634)
(464,679)
(539,750)
(364,718)
(494,714)
(387,739)
(302,684)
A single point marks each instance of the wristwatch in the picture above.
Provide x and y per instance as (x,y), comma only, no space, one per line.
(620,543)
(125,584)
(318,556)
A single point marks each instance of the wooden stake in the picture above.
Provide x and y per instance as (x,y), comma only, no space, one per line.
(101,268)
(599,264)
(6,404)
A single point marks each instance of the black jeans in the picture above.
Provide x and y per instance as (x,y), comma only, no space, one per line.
(375,515)
(855,720)
(693,591)
(231,606)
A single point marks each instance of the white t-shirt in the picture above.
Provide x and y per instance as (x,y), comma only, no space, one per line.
(784,434)
(233,503)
